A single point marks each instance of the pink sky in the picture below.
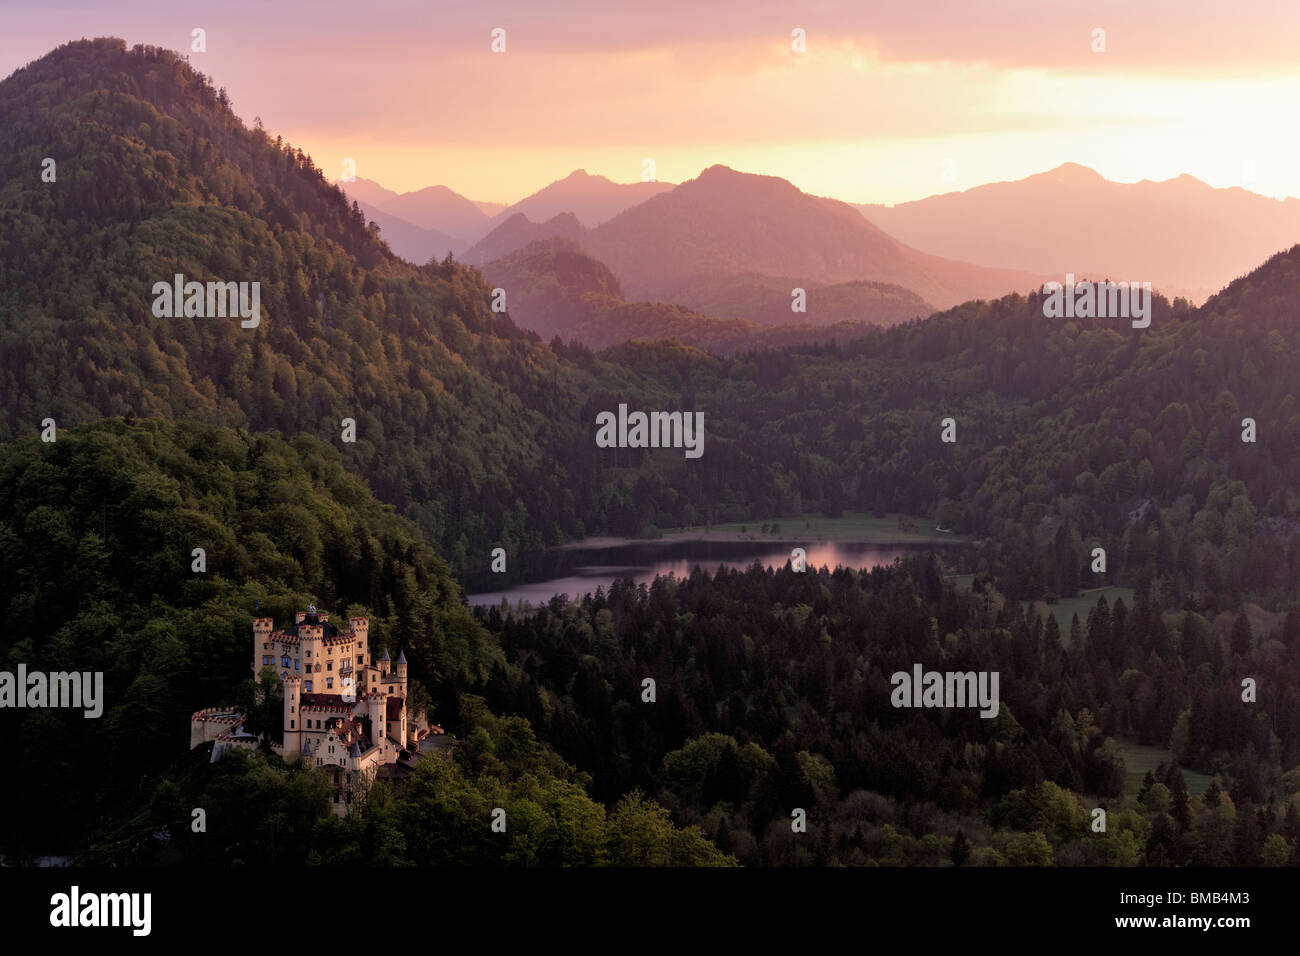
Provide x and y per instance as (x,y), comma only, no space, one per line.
(885,101)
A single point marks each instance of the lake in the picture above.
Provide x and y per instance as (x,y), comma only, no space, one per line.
(577,571)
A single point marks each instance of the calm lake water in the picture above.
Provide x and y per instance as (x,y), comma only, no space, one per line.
(538,577)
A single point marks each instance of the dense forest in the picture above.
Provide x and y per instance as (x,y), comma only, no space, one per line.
(773,692)
(773,687)
(96,535)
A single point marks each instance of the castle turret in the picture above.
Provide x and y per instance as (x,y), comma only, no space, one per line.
(375,710)
(401,670)
(262,649)
(361,634)
(292,716)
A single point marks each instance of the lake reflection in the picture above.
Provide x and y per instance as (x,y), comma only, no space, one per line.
(537,578)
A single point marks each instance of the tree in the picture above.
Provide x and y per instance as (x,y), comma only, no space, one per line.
(1029,849)
(1242,639)
(960,851)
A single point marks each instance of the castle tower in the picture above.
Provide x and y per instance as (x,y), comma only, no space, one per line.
(292,716)
(313,664)
(361,632)
(375,710)
(401,671)
(262,628)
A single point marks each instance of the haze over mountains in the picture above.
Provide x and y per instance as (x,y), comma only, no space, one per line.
(681,244)
(1181,234)
(428,221)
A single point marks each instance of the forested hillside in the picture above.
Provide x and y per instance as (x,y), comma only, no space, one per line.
(97,531)
(1064,428)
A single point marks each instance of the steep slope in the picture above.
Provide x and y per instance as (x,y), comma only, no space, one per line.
(1182,235)
(456,409)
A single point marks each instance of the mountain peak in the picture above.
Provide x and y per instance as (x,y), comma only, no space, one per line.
(1075,172)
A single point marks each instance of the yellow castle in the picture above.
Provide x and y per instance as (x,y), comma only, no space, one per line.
(340,712)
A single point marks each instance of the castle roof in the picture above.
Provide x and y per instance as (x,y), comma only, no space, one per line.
(326,702)
(394,708)
(385,657)
(401,657)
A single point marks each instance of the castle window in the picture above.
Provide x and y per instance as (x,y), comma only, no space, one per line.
(359,660)
(291,725)
(266,646)
(266,660)
(284,662)
(329,682)
(331,666)
(307,686)
(295,665)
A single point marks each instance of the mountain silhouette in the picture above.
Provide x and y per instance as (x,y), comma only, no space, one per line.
(1182,235)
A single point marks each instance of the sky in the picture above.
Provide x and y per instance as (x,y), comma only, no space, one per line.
(886,102)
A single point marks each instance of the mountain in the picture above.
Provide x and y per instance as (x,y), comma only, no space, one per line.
(456,408)
(591,199)
(726,223)
(411,242)
(368,191)
(555,289)
(437,207)
(441,214)
(518,231)
(1180,234)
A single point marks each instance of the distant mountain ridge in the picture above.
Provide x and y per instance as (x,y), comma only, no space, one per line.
(728,223)
(1182,235)
(555,289)
(427,222)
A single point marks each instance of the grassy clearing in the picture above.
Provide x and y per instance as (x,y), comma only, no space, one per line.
(1065,609)
(848,527)
(1138,759)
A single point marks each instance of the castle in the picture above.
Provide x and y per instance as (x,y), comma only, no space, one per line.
(340,712)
